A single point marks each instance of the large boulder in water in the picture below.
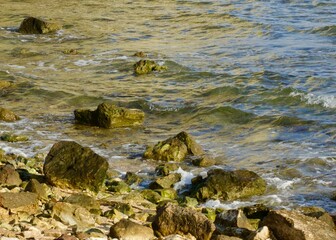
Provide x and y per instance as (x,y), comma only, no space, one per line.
(228,185)
(110,116)
(7,115)
(31,25)
(173,219)
(69,165)
(289,225)
(176,148)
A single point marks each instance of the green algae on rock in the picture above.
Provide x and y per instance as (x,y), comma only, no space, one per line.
(147,66)
(8,137)
(228,185)
(110,116)
(7,115)
(32,25)
(70,165)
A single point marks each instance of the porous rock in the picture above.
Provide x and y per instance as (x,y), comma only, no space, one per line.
(173,219)
(228,185)
(289,225)
(147,66)
(70,165)
(110,116)
(32,25)
(129,230)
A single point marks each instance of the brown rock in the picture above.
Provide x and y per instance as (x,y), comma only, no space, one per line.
(35,186)
(233,218)
(173,219)
(8,176)
(262,233)
(291,225)
(7,115)
(22,201)
(31,25)
(318,213)
(128,230)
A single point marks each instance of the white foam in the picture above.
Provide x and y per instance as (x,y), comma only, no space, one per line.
(226,206)
(82,62)
(281,184)
(327,101)
(185,179)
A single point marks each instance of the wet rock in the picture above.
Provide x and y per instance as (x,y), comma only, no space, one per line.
(35,186)
(233,218)
(118,187)
(84,201)
(8,137)
(228,185)
(165,181)
(173,219)
(166,168)
(167,193)
(140,54)
(203,161)
(69,165)
(318,213)
(31,25)
(5,84)
(19,202)
(262,233)
(129,230)
(224,237)
(147,66)
(210,213)
(8,176)
(256,211)
(8,116)
(71,214)
(151,195)
(132,178)
(71,51)
(174,149)
(289,225)
(110,116)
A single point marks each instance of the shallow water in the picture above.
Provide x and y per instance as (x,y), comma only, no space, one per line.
(252,81)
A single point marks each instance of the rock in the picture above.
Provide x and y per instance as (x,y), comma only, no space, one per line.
(84,201)
(140,54)
(233,218)
(71,51)
(118,187)
(228,185)
(318,213)
(8,176)
(174,149)
(210,213)
(124,208)
(151,195)
(8,137)
(257,211)
(173,219)
(66,237)
(224,237)
(32,233)
(71,214)
(114,214)
(22,201)
(129,230)
(110,116)
(203,161)
(147,66)
(289,225)
(165,181)
(167,193)
(31,25)
(262,233)
(7,115)
(166,168)
(69,165)
(132,178)
(35,187)
(5,84)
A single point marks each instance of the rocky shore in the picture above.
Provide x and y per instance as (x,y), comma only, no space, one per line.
(71,193)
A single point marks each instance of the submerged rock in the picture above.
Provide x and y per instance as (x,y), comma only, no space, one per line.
(173,219)
(5,84)
(176,149)
(147,66)
(140,54)
(129,230)
(110,116)
(289,225)
(228,185)
(7,115)
(69,165)
(31,25)
(8,137)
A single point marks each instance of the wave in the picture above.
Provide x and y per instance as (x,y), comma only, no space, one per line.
(327,101)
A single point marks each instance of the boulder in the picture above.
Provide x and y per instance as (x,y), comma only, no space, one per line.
(203,161)
(173,219)
(8,176)
(128,230)
(318,213)
(7,115)
(110,116)
(166,168)
(69,165)
(147,66)
(262,233)
(118,187)
(132,178)
(84,201)
(165,181)
(228,185)
(289,225)
(31,25)
(176,149)
(19,202)
(35,186)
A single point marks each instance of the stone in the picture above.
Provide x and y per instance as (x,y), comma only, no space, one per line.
(165,181)
(257,211)
(224,237)
(8,116)
(110,116)
(175,149)
(289,225)
(318,213)
(21,201)
(8,176)
(140,54)
(124,208)
(132,178)
(70,165)
(32,233)
(151,195)
(228,185)
(35,186)
(118,187)
(166,168)
(8,137)
(167,193)
(71,214)
(5,84)
(31,25)
(147,66)
(173,219)
(85,201)
(262,233)
(128,230)
(203,161)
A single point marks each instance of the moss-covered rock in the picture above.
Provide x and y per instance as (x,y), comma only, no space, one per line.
(151,195)
(147,66)
(7,115)
(8,137)
(203,161)
(118,187)
(132,178)
(69,165)
(167,193)
(165,181)
(166,168)
(5,84)
(110,116)
(140,54)
(32,25)
(176,149)
(228,185)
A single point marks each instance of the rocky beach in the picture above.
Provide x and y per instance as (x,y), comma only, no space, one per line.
(186,120)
